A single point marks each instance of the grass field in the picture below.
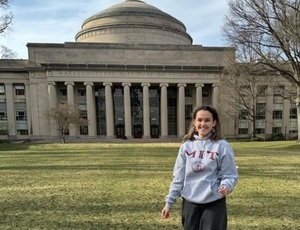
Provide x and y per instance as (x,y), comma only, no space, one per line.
(123,186)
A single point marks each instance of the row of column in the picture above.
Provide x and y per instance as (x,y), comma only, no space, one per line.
(91,107)
(11,113)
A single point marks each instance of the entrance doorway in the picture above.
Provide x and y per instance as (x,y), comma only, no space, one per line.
(137,131)
(120,131)
(154,131)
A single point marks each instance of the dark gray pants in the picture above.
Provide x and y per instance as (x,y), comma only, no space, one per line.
(211,216)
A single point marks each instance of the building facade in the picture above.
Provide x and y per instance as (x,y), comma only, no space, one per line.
(132,71)
(261,105)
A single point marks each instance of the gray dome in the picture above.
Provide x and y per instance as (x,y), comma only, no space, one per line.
(133,21)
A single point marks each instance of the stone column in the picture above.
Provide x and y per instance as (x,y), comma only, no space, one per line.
(269,112)
(215,95)
(28,109)
(10,105)
(70,92)
(109,110)
(199,94)
(181,110)
(71,101)
(164,110)
(146,109)
(36,131)
(286,117)
(91,109)
(127,110)
(52,97)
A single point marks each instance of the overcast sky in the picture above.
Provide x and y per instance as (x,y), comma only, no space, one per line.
(58,21)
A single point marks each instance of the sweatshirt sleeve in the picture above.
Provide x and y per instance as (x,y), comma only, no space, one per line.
(178,179)
(228,172)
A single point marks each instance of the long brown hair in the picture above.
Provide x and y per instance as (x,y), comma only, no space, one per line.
(216,132)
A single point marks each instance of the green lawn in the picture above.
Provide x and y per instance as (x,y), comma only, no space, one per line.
(123,186)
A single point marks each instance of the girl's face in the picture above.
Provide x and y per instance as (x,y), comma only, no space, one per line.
(204,123)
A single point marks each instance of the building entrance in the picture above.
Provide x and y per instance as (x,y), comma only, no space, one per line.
(120,131)
(137,111)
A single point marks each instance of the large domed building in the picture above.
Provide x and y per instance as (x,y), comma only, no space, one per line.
(132,71)
(134,22)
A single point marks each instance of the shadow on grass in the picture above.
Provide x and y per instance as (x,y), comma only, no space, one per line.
(121,167)
(272,170)
(159,147)
(271,207)
(48,213)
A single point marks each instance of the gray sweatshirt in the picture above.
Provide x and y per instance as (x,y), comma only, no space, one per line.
(202,166)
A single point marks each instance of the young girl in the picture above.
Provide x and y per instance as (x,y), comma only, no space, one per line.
(204,174)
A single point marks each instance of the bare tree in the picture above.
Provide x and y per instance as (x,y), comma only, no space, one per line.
(270,29)
(7,53)
(243,86)
(6,16)
(65,115)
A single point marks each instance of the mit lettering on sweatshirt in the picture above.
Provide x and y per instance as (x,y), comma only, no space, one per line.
(201,168)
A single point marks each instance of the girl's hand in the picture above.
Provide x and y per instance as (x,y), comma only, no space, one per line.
(165,213)
(223,190)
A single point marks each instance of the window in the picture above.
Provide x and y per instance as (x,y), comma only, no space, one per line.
(81,92)
(278,106)
(243,127)
(2,90)
(118,106)
(19,90)
(188,114)
(172,110)
(188,92)
(83,114)
(243,131)
(276,130)
(3,113)
(21,118)
(154,106)
(260,111)
(260,131)
(67,131)
(21,114)
(293,119)
(63,91)
(205,92)
(277,112)
(243,115)
(293,126)
(22,132)
(293,113)
(84,130)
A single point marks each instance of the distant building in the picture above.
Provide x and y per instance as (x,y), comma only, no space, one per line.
(133,71)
